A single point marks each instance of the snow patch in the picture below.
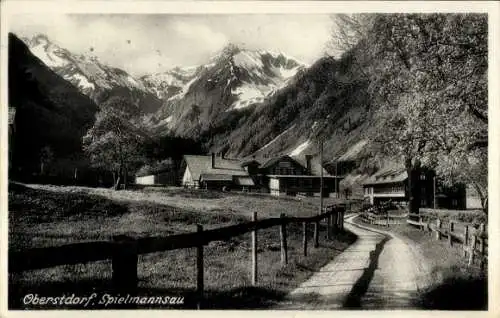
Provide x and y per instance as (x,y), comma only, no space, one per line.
(44,53)
(83,82)
(248,94)
(353,150)
(300,148)
(132,81)
(276,138)
(286,73)
(168,119)
(184,91)
(248,60)
(315,124)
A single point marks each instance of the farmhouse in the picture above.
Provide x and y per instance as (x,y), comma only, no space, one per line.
(292,176)
(212,172)
(282,175)
(391,183)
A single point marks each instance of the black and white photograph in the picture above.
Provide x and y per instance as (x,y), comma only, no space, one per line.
(277,160)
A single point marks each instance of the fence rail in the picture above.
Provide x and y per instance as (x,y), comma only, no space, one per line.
(123,250)
(474,240)
(383,219)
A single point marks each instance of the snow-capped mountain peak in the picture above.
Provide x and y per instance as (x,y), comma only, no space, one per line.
(93,78)
(232,80)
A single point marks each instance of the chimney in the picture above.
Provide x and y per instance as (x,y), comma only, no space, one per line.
(213,160)
(308,164)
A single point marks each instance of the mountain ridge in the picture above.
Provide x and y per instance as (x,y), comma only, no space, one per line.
(94,78)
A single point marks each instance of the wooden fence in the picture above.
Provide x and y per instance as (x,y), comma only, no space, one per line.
(474,240)
(123,250)
(383,219)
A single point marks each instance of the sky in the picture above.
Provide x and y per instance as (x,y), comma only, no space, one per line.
(149,43)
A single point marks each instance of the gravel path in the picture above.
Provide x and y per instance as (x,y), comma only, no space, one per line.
(379,271)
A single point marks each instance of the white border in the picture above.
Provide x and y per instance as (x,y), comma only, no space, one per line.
(264,7)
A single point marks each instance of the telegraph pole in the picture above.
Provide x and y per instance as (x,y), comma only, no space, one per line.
(321,177)
(434,190)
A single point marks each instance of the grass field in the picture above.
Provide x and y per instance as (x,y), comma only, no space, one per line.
(456,287)
(42,216)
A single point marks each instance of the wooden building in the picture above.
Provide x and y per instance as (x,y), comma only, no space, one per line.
(212,172)
(291,176)
(392,184)
(162,178)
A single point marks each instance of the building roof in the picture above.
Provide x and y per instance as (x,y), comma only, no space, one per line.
(301,160)
(271,161)
(215,177)
(388,175)
(250,162)
(315,165)
(199,165)
(299,176)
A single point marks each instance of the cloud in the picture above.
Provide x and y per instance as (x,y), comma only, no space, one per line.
(145,43)
(200,34)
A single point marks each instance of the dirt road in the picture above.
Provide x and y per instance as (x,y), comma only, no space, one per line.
(379,271)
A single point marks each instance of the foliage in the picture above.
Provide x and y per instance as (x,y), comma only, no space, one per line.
(156,167)
(428,76)
(50,112)
(115,141)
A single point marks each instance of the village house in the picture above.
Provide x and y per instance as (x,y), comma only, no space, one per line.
(391,184)
(214,172)
(282,175)
(291,176)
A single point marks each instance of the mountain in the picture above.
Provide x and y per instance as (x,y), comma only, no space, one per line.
(255,103)
(234,81)
(95,79)
(169,83)
(51,113)
(326,101)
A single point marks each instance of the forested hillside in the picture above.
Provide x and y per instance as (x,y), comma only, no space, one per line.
(52,115)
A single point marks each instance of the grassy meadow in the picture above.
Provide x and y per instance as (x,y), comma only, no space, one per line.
(41,216)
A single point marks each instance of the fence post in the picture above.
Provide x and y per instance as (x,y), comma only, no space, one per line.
(471,250)
(316,233)
(254,252)
(450,231)
(304,237)
(438,229)
(284,252)
(330,224)
(335,221)
(124,264)
(341,221)
(466,239)
(482,252)
(480,238)
(199,268)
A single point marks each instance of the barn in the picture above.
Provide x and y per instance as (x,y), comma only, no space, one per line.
(215,172)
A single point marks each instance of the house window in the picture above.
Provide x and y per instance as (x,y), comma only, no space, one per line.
(423,190)
(423,202)
(422,177)
(454,202)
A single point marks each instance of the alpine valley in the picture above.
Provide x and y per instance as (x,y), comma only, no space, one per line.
(241,103)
